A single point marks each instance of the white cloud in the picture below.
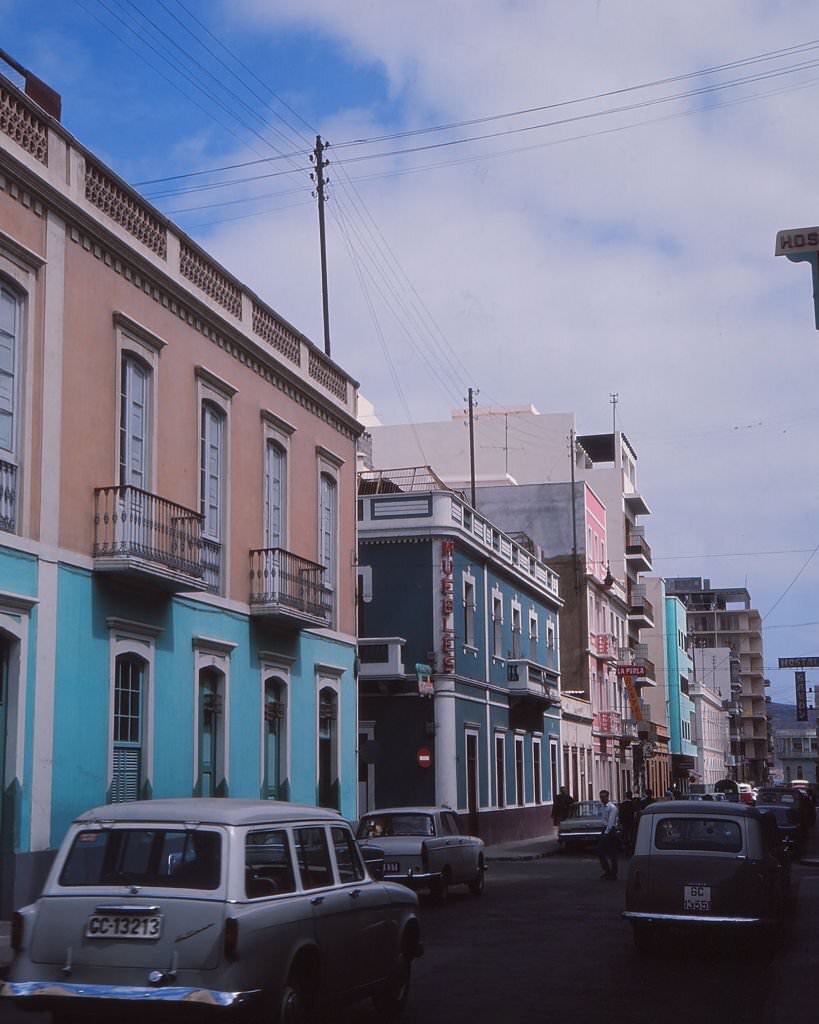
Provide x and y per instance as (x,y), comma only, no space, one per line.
(639,262)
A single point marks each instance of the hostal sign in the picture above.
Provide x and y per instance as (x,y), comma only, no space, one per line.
(447,606)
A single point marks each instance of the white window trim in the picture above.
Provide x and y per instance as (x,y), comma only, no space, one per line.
(218,393)
(520,798)
(537,743)
(497,593)
(15,621)
(281,670)
(212,653)
(328,464)
(499,734)
(277,431)
(134,340)
(328,678)
(515,606)
(472,730)
(468,579)
(20,267)
(125,637)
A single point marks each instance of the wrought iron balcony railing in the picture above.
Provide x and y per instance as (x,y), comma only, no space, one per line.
(286,585)
(8,496)
(132,524)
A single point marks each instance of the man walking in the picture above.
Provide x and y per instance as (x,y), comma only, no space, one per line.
(607,843)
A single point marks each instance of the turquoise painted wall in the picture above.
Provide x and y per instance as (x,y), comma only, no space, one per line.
(82,696)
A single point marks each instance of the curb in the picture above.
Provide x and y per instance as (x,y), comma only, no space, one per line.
(499,858)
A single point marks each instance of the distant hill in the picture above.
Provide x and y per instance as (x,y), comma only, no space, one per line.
(783,716)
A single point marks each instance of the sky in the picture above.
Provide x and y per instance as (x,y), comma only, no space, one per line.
(616,238)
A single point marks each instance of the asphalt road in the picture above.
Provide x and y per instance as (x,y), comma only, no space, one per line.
(546,942)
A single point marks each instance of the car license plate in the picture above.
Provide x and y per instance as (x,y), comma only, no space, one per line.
(697,897)
(123,926)
(391,867)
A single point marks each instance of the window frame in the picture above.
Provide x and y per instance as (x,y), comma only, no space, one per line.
(468,584)
(499,764)
(497,623)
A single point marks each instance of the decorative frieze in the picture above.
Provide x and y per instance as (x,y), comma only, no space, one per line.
(23,126)
(275,333)
(127,211)
(331,379)
(204,275)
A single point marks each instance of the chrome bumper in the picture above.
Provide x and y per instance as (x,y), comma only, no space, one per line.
(634,915)
(57,990)
(413,877)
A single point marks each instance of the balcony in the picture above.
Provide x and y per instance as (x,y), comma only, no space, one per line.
(288,589)
(604,645)
(8,496)
(527,679)
(638,553)
(381,657)
(641,610)
(140,536)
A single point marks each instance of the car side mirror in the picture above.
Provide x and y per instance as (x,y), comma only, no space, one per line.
(374,860)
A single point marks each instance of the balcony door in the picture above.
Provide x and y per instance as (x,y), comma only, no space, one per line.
(211,733)
(212,471)
(134,453)
(275,478)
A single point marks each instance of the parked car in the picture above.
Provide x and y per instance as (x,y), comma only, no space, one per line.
(700,864)
(583,825)
(424,848)
(789,809)
(221,903)
(746,793)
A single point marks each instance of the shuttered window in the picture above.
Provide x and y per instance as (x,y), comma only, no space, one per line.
(212,470)
(133,423)
(327,529)
(275,482)
(129,686)
(10,307)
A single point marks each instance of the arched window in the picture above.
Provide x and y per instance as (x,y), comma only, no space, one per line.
(211,767)
(129,702)
(274,737)
(328,784)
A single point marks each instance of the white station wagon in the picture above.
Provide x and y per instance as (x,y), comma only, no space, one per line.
(215,904)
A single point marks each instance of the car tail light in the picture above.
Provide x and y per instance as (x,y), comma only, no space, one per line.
(16,941)
(424,857)
(231,939)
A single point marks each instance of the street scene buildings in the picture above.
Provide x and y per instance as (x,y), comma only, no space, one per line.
(212,585)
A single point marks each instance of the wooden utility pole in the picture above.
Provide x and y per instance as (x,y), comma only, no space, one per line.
(317,156)
(472,446)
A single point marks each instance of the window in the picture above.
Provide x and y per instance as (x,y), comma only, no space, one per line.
(537,771)
(497,625)
(134,423)
(129,682)
(516,630)
(533,636)
(469,611)
(500,769)
(211,733)
(327,529)
(313,857)
(348,859)
(10,327)
(274,740)
(698,834)
(520,792)
(450,825)
(328,784)
(211,491)
(550,634)
(275,496)
(268,867)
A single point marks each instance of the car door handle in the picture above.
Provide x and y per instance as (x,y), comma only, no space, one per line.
(354,894)
(315,900)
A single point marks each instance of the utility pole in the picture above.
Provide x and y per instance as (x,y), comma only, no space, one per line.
(472,445)
(614,398)
(317,156)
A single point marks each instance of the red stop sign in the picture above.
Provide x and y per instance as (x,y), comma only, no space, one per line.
(424,757)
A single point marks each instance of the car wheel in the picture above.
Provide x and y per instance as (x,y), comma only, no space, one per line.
(294,1007)
(477,884)
(440,890)
(391,1000)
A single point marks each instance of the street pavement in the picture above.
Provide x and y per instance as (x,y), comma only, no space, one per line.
(546,941)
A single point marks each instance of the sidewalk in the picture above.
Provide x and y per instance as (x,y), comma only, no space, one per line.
(524,849)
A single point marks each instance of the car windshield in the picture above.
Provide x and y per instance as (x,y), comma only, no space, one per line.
(587,809)
(189,859)
(376,825)
(698,834)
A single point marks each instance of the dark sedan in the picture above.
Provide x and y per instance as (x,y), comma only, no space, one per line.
(789,810)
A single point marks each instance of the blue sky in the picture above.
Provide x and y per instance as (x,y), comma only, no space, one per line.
(627,252)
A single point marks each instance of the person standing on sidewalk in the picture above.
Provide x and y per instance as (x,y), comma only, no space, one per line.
(607,843)
(628,811)
(562,806)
